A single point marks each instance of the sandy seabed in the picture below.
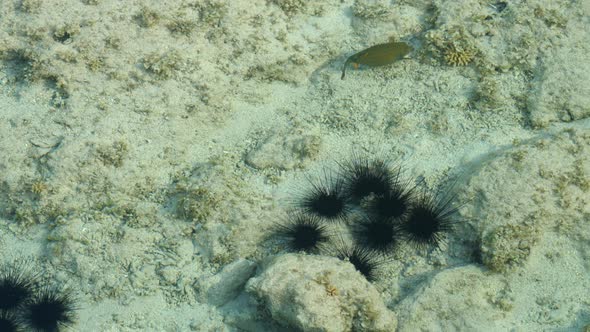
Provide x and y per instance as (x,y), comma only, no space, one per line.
(148,147)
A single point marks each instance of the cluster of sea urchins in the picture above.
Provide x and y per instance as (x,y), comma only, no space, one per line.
(26,304)
(381,208)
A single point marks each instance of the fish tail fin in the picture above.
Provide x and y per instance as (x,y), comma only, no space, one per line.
(344,69)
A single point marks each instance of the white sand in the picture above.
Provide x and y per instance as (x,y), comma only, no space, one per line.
(145,146)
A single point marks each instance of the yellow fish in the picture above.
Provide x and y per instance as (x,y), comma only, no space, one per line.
(378,55)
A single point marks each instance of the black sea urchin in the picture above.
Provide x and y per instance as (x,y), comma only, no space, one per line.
(365,177)
(396,202)
(364,260)
(326,199)
(8,322)
(16,285)
(428,221)
(302,232)
(377,233)
(49,310)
